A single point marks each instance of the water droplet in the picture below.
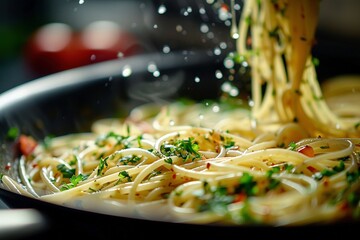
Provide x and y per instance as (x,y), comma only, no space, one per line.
(226,87)
(251,103)
(210,35)
(162,9)
(204,28)
(229,63)
(81,1)
(223,45)
(216,108)
(156,73)
(218,74)
(202,10)
(152,67)
(223,14)
(93,57)
(179,28)
(217,51)
(126,72)
(234,92)
(166,49)
(120,54)
(197,79)
(235,35)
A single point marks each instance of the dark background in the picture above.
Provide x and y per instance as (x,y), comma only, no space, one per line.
(178,28)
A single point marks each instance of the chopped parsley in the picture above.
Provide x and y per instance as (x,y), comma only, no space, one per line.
(330,172)
(74,181)
(66,172)
(102,164)
(187,149)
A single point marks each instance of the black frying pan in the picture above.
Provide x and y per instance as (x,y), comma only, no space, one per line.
(70,101)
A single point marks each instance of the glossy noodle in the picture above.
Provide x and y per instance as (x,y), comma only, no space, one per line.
(289,159)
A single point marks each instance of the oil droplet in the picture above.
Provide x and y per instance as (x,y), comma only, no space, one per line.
(234,28)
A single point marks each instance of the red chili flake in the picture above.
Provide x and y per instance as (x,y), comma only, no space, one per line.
(240,197)
(248,41)
(326,181)
(208,165)
(27,144)
(217,148)
(307,150)
(344,206)
(225,7)
(34,165)
(312,169)
(8,166)
(174,176)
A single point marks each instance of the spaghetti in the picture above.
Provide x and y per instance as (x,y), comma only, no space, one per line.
(287,160)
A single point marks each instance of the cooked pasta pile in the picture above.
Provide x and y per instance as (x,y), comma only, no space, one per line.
(289,159)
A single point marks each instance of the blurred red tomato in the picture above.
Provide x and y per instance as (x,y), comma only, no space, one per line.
(56,46)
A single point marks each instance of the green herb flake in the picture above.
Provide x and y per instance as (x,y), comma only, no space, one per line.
(124,175)
(168,160)
(315,61)
(187,149)
(12,133)
(102,164)
(292,146)
(66,172)
(74,181)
